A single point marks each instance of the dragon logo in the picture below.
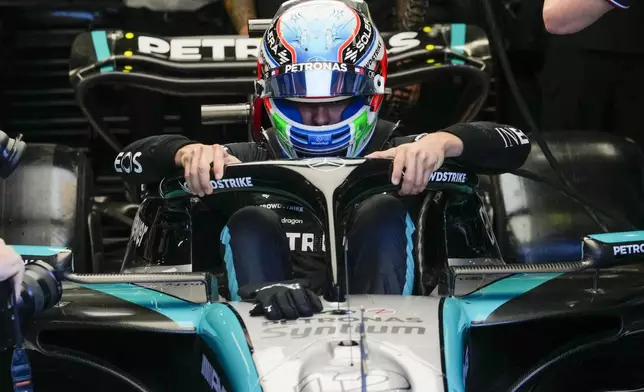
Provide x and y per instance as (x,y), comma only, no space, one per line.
(326,164)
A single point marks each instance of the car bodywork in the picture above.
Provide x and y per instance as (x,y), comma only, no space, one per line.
(417,343)
(476,332)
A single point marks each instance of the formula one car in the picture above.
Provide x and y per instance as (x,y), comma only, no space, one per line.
(477,323)
(209,73)
(482,325)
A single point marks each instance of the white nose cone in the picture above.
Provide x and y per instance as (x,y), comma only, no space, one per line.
(329,366)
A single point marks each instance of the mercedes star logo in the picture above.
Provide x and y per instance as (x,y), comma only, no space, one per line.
(326,164)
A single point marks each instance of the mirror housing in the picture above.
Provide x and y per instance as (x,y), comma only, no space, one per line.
(257,27)
(611,249)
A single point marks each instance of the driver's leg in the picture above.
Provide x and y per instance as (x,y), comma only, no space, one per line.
(255,249)
(380,248)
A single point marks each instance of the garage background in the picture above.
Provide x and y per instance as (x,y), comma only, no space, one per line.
(37,100)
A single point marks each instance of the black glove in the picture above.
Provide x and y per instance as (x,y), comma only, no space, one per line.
(284,300)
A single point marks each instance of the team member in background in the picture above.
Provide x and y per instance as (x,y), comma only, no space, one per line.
(322,83)
(11,266)
(240,11)
(571,16)
(592,77)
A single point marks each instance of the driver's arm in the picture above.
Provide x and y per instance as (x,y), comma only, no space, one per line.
(488,148)
(571,16)
(149,160)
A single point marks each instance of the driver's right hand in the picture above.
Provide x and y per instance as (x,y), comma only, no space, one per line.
(196,160)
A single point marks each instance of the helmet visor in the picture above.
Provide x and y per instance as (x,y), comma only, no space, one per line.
(321,80)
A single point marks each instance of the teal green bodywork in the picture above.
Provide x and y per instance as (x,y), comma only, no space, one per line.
(623,237)
(459,314)
(101,48)
(220,328)
(457,40)
(38,251)
(215,323)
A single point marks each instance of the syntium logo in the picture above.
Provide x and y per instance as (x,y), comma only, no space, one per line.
(330,330)
(200,48)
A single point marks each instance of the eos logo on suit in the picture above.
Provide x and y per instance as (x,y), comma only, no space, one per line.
(126,162)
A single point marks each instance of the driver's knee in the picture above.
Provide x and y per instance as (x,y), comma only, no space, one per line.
(254,248)
(380,251)
(255,228)
(254,221)
(379,210)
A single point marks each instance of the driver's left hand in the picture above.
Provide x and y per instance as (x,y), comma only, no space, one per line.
(282,300)
(415,162)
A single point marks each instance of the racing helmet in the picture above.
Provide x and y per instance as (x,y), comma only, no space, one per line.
(322,52)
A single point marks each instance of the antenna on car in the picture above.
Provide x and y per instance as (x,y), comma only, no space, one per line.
(257,27)
(346,343)
(364,352)
(346,291)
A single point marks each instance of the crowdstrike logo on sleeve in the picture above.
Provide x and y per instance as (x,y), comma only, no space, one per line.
(226,183)
(448,177)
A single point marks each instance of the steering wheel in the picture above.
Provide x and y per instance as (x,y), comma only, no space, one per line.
(325,187)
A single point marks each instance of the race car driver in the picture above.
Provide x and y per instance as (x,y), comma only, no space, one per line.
(322,71)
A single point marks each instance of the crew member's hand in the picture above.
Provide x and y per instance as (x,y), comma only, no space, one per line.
(11,266)
(285,300)
(196,160)
(415,162)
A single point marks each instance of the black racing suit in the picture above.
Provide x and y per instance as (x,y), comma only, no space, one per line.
(272,239)
(593,79)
